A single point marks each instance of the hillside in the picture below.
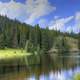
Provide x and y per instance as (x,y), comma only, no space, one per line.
(14,34)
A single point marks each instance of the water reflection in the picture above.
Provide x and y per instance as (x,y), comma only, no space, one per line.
(50,68)
(59,75)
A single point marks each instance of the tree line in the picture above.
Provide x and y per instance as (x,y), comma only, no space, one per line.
(14,34)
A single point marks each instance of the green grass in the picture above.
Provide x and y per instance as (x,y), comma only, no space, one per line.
(77,76)
(12,53)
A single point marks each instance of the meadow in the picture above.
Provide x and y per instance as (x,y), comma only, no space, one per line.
(12,53)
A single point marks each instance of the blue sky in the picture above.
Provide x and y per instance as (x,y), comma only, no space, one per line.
(61,15)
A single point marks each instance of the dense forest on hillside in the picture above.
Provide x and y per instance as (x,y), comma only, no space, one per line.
(14,34)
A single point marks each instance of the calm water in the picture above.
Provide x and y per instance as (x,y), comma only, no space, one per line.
(50,68)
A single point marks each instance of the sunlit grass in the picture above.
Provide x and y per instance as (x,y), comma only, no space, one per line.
(12,53)
(77,76)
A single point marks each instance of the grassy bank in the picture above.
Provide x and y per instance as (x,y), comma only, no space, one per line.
(17,56)
(12,53)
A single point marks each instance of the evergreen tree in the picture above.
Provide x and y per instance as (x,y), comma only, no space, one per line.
(79,41)
(14,34)
(37,36)
(2,43)
(45,40)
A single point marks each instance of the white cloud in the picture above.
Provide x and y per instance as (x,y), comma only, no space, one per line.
(59,24)
(77,16)
(72,29)
(38,8)
(56,17)
(30,11)
(43,22)
(77,20)
(69,29)
(11,9)
(76,27)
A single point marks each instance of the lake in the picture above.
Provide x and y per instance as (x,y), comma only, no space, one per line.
(50,68)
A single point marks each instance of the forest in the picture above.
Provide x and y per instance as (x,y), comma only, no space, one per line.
(17,35)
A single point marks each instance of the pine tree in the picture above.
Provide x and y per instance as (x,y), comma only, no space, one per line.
(79,41)
(2,43)
(15,40)
(45,40)
(37,36)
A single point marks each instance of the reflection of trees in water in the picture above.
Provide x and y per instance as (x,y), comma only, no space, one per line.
(65,61)
(45,62)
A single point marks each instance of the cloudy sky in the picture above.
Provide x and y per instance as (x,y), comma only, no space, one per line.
(61,15)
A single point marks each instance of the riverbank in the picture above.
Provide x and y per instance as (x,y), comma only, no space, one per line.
(12,53)
(16,59)
(13,60)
